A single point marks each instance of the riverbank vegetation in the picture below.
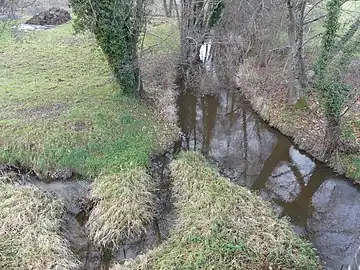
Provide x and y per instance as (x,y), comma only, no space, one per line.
(223,226)
(83,103)
(125,208)
(31,229)
(307,85)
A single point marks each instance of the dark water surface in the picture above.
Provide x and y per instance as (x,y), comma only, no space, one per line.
(322,206)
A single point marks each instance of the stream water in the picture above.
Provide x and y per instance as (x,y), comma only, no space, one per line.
(322,206)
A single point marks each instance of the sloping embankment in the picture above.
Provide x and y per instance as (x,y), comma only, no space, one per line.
(267,94)
(223,226)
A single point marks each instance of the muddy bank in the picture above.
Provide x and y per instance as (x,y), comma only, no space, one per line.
(78,203)
(74,197)
(305,126)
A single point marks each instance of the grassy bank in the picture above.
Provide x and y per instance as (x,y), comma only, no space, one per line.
(223,226)
(306,124)
(31,224)
(60,109)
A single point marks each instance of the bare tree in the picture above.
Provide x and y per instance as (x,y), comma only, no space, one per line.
(197,17)
(296,11)
(10,7)
(168,7)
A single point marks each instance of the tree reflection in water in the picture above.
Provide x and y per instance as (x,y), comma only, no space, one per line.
(320,205)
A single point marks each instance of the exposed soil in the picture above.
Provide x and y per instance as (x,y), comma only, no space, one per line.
(43,112)
(53,16)
(78,126)
(76,197)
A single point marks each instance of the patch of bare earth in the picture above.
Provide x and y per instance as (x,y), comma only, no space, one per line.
(78,126)
(43,112)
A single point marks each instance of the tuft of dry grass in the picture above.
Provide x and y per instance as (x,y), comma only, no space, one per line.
(223,226)
(30,222)
(125,206)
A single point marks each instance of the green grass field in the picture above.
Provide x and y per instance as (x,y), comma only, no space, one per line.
(59,107)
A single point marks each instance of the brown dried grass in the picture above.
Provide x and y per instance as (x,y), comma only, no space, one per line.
(125,207)
(223,226)
(30,234)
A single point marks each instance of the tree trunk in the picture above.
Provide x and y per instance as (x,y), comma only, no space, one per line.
(296,40)
(166,11)
(332,138)
(171,5)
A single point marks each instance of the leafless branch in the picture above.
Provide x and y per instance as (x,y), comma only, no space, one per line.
(312,8)
(315,20)
(314,36)
(350,106)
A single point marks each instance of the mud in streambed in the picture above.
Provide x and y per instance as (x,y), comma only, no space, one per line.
(322,206)
(75,195)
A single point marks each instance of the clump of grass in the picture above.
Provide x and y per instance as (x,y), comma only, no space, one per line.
(224,226)
(125,207)
(30,222)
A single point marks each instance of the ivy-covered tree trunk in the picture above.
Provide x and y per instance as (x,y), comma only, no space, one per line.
(329,38)
(332,137)
(125,66)
(116,25)
(335,57)
(328,82)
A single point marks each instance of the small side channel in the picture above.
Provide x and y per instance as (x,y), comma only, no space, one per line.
(76,196)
